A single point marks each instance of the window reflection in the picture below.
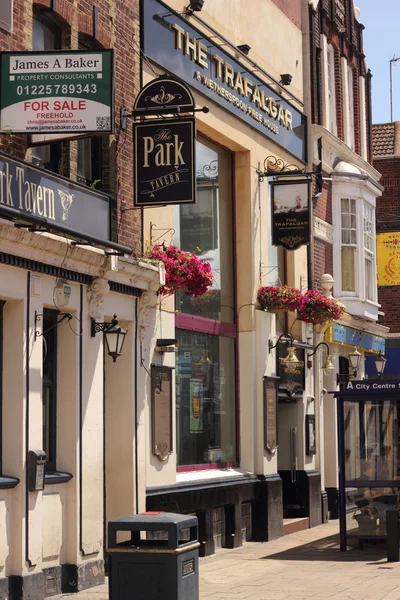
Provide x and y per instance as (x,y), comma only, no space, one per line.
(205,398)
(205,228)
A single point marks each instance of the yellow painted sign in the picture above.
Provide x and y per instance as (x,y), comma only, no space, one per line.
(388,258)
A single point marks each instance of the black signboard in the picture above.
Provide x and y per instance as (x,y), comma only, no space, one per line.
(311,446)
(177,46)
(164,93)
(161,411)
(271,413)
(291,213)
(165,162)
(292,380)
(31,195)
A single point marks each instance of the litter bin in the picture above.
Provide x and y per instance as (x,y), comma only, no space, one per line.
(152,556)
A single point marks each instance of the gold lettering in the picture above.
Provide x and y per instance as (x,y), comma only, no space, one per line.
(202,55)
(281,116)
(228,75)
(190,47)
(288,120)
(159,158)
(39,199)
(273,108)
(256,98)
(179,33)
(218,65)
(51,208)
(248,86)
(239,83)
(148,147)
(264,103)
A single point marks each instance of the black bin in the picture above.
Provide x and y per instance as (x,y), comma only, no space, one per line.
(153,556)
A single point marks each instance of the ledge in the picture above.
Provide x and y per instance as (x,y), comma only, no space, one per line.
(8,482)
(57,477)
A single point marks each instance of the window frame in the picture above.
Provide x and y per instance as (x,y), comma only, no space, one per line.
(369,252)
(331,113)
(195,323)
(50,318)
(350,87)
(349,244)
(7,25)
(363,195)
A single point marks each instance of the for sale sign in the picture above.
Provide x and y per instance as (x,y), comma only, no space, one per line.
(57,92)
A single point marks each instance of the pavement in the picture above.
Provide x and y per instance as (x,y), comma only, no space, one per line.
(304,565)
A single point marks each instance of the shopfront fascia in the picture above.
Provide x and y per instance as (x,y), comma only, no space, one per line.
(172,43)
(349,337)
(43,202)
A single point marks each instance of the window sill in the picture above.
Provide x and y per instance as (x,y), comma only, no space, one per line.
(57,477)
(8,482)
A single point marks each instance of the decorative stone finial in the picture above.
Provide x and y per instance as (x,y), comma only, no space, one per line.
(327,282)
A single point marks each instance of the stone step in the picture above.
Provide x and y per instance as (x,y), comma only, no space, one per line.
(294,525)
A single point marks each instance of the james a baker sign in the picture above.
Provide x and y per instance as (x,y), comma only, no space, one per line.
(165,162)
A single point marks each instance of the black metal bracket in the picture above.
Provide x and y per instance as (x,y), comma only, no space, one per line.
(316,348)
(274,167)
(38,317)
(284,336)
(172,111)
(102,327)
(342,378)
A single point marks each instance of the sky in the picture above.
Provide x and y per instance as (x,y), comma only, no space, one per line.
(381,43)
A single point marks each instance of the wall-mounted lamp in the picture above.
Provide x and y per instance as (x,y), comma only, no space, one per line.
(195,5)
(380,363)
(291,361)
(328,364)
(245,48)
(38,317)
(286,79)
(355,361)
(114,335)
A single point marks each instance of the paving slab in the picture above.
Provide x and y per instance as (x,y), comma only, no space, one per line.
(306,565)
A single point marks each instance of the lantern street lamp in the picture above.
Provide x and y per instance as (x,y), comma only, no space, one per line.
(328,363)
(114,336)
(380,363)
(290,361)
(355,361)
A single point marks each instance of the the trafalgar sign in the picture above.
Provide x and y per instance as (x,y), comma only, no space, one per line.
(165,148)
(56,92)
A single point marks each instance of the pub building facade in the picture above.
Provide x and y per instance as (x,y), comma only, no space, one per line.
(344,204)
(69,258)
(223,466)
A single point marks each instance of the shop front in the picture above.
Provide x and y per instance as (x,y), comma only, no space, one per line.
(73,309)
(221,466)
(368,444)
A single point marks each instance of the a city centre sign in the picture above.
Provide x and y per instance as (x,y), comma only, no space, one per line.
(56,92)
(186,52)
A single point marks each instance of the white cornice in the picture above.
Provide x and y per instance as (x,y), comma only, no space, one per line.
(59,252)
(343,152)
(323,230)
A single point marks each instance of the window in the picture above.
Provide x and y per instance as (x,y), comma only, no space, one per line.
(47,156)
(1,385)
(89,162)
(348,243)
(205,371)
(6,15)
(369,255)
(331,100)
(351,105)
(49,387)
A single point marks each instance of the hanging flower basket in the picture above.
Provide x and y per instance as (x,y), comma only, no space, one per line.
(316,308)
(279,298)
(183,271)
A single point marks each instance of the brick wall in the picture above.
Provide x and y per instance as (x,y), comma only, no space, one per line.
(115,24)
(322,206)
(290,9)
(323,260)
(388,219)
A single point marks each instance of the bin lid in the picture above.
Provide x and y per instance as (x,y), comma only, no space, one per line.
(153,520)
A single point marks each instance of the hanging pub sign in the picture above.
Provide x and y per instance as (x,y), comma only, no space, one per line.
(291,377)
(164,150)
(291,213)
(57,92)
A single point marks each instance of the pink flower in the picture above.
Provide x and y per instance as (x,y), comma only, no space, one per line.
(183,271)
